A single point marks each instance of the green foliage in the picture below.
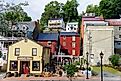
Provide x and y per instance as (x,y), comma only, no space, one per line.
(16,14)
(77,63)
(110,8)
(52,10)
(55,9)
(1,54)
(114,59)
(93,9)
(70,11)
(71,69)
(12,13)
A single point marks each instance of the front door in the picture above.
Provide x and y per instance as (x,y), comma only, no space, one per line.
(24,67)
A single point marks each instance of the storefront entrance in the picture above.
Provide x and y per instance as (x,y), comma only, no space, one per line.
(24,67)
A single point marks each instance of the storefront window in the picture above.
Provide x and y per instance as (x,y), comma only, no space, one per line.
(13,65)
(36,65)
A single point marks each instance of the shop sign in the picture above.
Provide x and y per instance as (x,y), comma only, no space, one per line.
(24,58)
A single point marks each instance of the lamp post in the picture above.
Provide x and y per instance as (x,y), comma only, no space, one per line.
(101,56)
(87,65)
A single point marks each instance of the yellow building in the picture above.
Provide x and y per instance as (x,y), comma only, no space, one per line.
(27,53)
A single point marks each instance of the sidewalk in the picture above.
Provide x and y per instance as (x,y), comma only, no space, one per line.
(49,78)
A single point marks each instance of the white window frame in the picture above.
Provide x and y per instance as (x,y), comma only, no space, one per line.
(34,51)
(73,44)
(73,52)
(73,38)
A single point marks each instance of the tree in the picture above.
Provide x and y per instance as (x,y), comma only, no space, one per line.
(93,9)
(11,13)
(55,9)
(110,8)
(114,59)
(70,11)
(52,10)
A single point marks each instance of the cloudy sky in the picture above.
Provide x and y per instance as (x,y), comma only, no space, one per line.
(36,7)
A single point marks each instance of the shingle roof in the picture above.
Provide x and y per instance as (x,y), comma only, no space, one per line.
(47,36)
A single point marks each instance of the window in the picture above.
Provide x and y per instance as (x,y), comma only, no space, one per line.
(4,57)
(17,51)
(74,28)
(35,65)
(73,44)
(49,43)
(64,37)
(73,38)
(74,24)
(64,43)
(119,43)
(92,56)
(34,51)
(119,28)
(119,36)
(13,65)
(73,52)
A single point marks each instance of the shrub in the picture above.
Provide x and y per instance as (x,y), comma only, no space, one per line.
(114,59)
(71,69)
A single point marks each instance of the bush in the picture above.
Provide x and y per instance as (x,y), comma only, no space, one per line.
(115,59)
(71,69)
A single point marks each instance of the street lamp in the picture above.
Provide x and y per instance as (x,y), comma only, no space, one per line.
(87,65)
(101,56)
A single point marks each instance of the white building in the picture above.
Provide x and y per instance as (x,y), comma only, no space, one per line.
(4,43)
(56,24)
(97,39)
(72,27)
(116,23)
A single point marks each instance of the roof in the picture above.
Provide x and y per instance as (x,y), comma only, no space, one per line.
(92,19)
(47,36)
(114,22)
(56,19)
(69,33)
(30,40)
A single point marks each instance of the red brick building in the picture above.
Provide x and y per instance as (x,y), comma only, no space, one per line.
(48,39)
(70,43)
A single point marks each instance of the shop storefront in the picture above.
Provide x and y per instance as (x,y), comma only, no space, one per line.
(27,57)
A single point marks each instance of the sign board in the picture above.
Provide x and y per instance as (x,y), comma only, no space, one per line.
(24,58)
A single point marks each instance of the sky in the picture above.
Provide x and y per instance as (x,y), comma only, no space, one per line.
(36,7)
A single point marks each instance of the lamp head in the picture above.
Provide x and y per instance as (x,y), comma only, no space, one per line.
(87,53)
(101,54)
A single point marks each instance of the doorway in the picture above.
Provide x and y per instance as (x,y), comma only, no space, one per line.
(24,67)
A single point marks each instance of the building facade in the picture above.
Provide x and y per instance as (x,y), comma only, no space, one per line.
(116,23)
(72,27)
(70,43)
(4,43)
(56,24)
(97,39)
(50,40)
(27,54)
